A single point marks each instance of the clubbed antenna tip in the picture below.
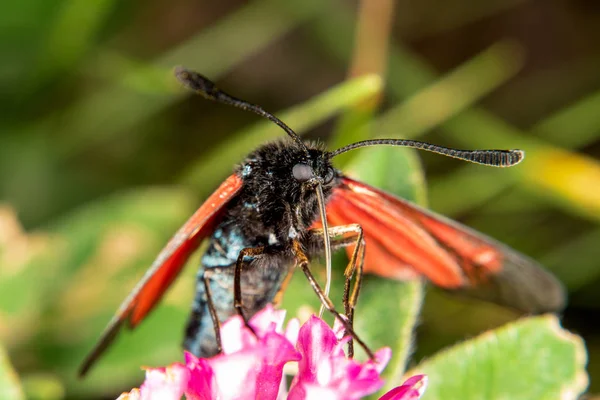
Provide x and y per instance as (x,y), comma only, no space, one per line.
(492,158)
(207,89)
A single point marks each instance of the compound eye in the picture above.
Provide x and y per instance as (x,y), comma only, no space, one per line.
(302,172)
(329,176)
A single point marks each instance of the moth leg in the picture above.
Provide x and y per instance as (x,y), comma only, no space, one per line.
(355,264)
(212,310)
(303,263)
(279,295)
(237,279)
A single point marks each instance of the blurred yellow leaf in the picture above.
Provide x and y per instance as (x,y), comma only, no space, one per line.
(571,177)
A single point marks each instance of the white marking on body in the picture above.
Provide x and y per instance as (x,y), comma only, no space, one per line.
(272,239)
(292,234)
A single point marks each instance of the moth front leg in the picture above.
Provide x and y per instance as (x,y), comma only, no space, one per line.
(303,263)
(212,310)
(343,236)
(237,277)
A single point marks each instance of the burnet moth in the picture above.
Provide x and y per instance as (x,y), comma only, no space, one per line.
(286,203)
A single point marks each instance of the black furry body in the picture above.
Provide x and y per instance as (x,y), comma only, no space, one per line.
(272,209)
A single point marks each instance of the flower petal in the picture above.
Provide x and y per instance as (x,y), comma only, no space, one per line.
(267,320)
(277,351)
(316,342)
(235,336)
(165,383)
(235,374)
(412,389)
(292,330)
(325,369)
(252,366)
(254,372)
(134,394)
(201,384)
(382,358)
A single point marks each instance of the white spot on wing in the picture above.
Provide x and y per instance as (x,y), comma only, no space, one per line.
(485,257)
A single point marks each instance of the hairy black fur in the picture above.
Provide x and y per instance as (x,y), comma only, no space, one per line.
(272,201)
(271,210)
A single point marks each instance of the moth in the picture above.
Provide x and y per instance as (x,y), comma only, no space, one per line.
(286,204)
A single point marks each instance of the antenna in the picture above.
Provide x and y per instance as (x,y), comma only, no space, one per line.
(207,89)
(492,158)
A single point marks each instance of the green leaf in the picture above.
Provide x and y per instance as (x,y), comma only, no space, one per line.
(353,126)
(580,119)
(534,358)
(582,251)
(72,34)
(10,388)
(43,386)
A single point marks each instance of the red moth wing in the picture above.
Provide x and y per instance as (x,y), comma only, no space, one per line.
(167,266)
(380,260)
(396,237)
(403,239)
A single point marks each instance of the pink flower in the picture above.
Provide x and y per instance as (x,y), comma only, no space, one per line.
(249,366)
(161,384)
(412,389)
(252,366)
(325,370)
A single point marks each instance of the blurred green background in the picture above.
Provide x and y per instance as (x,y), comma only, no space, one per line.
(103,155)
